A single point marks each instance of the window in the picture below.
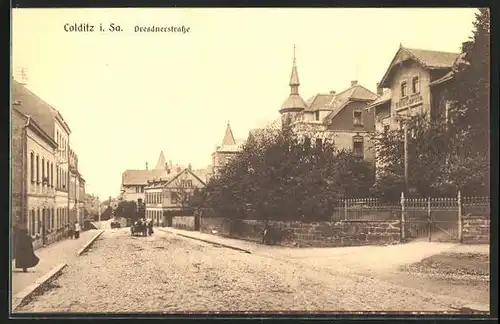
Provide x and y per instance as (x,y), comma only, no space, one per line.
(401,124)
(316,115)
(57,177)
(38,221)
(48,174)
(357,146)
(386,129)
(404,89)
(358,118)
(32,166)
(137,189)
(52,175)
(43,170)
(37,169)
(415,84)
(52,218)
(187,183)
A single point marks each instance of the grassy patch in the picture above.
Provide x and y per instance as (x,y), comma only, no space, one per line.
(474,264)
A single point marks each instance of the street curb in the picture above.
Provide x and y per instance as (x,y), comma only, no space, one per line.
(89,243)
(210,242)
(24,296)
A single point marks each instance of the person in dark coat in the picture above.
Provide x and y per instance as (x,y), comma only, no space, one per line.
(150,227)
(25,257)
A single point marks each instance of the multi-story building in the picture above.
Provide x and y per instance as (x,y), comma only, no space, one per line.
(81,198)
(74,188)
(225,151)
(44,167)
(340,118)
(415,82)
(171,193)
(135,181)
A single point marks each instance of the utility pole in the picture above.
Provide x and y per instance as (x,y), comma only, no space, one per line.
(406,156)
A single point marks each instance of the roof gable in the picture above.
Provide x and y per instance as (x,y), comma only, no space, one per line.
(141,177)
(428,59)
(341,100)
(188,174)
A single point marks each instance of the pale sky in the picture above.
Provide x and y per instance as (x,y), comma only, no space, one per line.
(126,96)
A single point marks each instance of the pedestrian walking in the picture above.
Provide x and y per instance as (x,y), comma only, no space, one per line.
(150,227)
(25,256)
(69,230)
(77,230)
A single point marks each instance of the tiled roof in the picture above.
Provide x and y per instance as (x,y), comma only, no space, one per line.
(294,101)
(319,101)
(141,177)
(427,58)
(385,97)
(160,165)
(228,137)
(354,93)
(433,59)
(31,105)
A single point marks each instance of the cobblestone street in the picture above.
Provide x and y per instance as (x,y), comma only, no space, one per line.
(169,273)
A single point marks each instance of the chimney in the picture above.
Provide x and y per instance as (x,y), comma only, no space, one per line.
(146,165)
(170,163)
(332,92)
(166,166)
(380,90)
(189,167)
(353,83)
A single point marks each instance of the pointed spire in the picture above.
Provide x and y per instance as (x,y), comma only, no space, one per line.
(228,136)
(161,162)
(294,78)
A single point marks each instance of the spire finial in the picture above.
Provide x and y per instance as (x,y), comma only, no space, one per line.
(294,53)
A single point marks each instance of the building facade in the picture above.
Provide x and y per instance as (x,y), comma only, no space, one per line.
(415,82)
(40,149)
(171,194)
(225,151)
(134,182)
(339,118)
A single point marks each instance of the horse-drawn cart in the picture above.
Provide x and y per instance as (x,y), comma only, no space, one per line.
(139,228)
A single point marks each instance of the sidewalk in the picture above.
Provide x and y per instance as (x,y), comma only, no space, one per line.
(50,256)
(224,241)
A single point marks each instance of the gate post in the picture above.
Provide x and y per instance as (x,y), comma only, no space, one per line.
(403,216)
(429,221)
(459,200)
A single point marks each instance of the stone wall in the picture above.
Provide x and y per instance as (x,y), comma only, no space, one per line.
(476,229)
(318,234)
(183,222)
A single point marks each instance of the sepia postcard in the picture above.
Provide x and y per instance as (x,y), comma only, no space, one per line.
(250,161)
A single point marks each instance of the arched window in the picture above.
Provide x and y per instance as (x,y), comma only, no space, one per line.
(32,166)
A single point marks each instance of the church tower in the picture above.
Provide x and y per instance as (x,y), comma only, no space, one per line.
(294,104)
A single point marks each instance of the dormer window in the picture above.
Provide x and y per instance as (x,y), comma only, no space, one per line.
(316,115)
(404,89)
(358,115)
(415,84)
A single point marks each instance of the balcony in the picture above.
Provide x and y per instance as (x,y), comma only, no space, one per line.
(408,101)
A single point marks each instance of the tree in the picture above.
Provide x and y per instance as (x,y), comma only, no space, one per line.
(127,209)
(279,175)
(470,91)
